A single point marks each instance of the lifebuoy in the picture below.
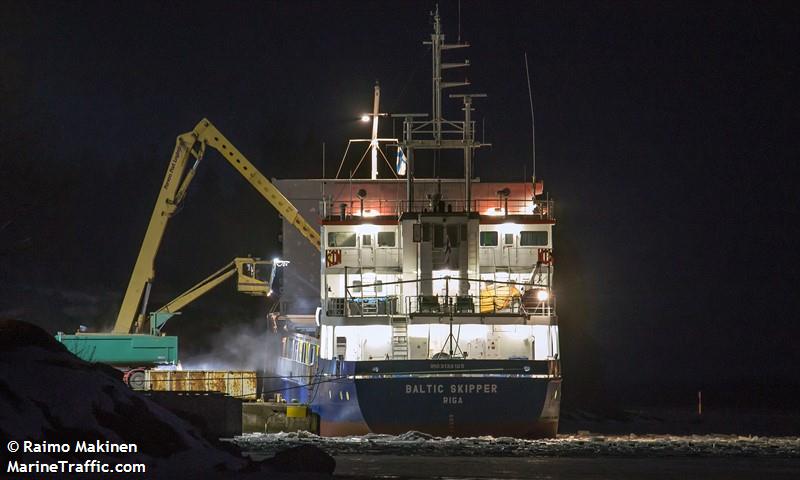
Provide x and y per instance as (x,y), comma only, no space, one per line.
(545,256)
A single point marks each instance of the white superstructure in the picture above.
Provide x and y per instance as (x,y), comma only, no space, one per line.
(433,279)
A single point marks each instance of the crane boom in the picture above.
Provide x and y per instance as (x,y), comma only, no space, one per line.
(131,317)
(246,282)
(210,135)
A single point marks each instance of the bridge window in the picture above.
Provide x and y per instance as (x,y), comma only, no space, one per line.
(341,239)
(488,239)
(533,239)
(386,239)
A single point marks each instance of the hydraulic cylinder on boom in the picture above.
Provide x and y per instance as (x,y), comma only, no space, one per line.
(247,282)
(132,313)
(136,339)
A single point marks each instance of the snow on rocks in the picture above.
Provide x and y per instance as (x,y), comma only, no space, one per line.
(48,396)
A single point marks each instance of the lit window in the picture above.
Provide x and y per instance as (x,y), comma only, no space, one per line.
(341,239)
(386,239)
(488,239)
(533,239)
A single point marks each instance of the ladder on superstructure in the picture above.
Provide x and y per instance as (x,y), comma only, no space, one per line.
(399,338)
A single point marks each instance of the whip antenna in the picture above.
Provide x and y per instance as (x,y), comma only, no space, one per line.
(459,21)
(533,122)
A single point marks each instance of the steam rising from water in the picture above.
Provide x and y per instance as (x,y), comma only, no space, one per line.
(251,346)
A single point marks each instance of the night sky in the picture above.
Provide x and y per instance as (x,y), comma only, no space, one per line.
(666,132)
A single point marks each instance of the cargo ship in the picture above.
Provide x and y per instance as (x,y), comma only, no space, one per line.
(431,307)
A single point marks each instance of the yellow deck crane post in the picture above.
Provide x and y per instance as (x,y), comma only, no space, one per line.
(136,340)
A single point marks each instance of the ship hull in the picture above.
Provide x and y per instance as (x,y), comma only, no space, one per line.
(448,404)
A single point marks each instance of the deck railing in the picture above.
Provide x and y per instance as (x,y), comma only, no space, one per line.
(504,298)
(541,209)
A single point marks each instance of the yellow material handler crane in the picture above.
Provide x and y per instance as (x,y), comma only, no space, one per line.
(137,339)
(173,191)
(248,281)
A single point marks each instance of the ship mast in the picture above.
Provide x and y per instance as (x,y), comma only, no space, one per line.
(469,143)
(374,139)
(446,134)
(437,46)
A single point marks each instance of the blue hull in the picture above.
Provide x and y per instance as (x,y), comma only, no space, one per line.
(456,398)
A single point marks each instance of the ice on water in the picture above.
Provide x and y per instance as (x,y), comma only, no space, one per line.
(418,443)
